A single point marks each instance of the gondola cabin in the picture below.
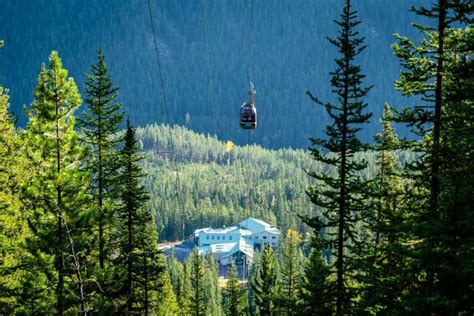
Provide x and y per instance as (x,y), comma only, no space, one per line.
(248,116)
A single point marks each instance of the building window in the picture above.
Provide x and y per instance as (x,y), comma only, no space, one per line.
(207,237)
(273,244)
(264,237)
(223,237)
(273,237)
(218,237)
(256,237)
(212,237)
(230,237)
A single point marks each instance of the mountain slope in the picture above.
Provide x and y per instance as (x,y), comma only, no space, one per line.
(290,56)
(215,187)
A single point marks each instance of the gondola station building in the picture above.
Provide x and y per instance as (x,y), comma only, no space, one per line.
(236,243)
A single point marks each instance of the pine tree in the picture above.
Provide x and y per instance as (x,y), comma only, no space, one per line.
(437,224)
(291,271)
(100,125)
(316,298)
(212,292)
(134,218)
(340,196)
(456,177)
(13,228)
(175,271)
(234,295)
(167,303)
(55,195)
(197,272)
(252,277)
(184,298)
(152,282)
(386,260)
(264,283)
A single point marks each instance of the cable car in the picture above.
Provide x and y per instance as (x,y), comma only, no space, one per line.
(248,111)
(248,116)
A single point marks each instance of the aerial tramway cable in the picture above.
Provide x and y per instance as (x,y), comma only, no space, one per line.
(165,107)
(249,80)
(208,61)
(251,43)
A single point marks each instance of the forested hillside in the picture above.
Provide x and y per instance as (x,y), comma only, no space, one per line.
(290,56)
(216,188)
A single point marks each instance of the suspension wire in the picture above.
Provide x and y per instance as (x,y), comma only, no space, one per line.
(208,61)
(249,79)
(251,42)
(167,114)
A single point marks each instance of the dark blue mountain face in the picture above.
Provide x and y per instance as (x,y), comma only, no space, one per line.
(290,55)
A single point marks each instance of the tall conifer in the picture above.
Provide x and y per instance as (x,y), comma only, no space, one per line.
(291,272)
(435,70)
(264,283)
(385,260)
(13,228)
(133,218)
(340,196)
(315,291)
(197,272)
(100,125)
(234,295)
(56,194)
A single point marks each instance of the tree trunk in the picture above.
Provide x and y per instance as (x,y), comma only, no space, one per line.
(59,245)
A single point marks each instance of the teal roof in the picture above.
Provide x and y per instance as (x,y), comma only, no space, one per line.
(258,226)
(224,250)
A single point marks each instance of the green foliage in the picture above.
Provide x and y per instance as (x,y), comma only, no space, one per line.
(264,284)
(79,220)
(55,195)
(342,195)
(234,295)
(316,295)
(135,238)
(13,226)
(212,289)
(197,273)
(100,124)
(385,260)
(438,71)
(290,258)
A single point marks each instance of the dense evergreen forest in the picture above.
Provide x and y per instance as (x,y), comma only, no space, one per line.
(222,188)
(289,57)
(369,225)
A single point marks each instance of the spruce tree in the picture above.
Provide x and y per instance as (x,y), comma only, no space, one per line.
(385,261)
(315,291)
(264,284)
(291,271)
(234,295)
(184,298)
(134,218)
(341,196)
(175,272)
(456,177)
(56,194)
(435,70)
(212,292)
(100,125)
(197,291)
